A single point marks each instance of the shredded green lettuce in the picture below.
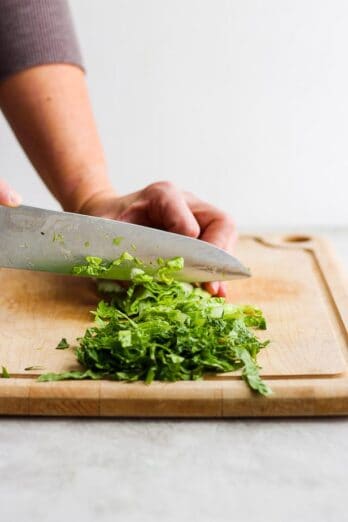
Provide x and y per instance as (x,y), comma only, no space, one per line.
(162,329)
(4,373)
(63,344)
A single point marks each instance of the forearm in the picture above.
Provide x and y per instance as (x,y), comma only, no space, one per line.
(46,102)
(49,110)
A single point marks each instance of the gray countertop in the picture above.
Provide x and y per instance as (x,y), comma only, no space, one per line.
(146,470)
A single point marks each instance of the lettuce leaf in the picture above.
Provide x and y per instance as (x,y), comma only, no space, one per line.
(159,328)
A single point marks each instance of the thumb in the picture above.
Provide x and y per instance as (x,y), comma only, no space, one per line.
(8,197)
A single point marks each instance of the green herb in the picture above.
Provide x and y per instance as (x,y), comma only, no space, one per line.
(76,375)
(167,330)
(33,368)
(4,373)
(58,237)
(93,267)
(62,345)
(117,240)
(97,267)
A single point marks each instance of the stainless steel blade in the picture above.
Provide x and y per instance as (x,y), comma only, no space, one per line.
(37,239)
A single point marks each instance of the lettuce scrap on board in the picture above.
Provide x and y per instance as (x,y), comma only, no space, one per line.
(159,328)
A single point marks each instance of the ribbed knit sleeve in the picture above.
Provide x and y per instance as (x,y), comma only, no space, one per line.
(36,32)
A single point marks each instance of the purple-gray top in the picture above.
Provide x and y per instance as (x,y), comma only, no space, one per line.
(36,32)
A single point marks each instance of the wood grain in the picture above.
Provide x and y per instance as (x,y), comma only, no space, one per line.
(298,284)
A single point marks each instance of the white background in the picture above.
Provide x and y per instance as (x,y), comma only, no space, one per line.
(243,102)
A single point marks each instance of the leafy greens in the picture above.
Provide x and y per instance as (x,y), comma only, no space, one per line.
(63,344)
(4,373)
(159,328)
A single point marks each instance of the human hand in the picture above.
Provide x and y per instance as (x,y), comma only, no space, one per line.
(8,197)
(162,205)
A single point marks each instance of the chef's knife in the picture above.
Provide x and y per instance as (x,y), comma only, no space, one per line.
(45,240)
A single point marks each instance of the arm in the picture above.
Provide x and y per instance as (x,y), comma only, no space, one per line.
(43,95)
(49,111)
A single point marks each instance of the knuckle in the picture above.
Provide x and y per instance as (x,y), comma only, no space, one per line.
(190,197)
(183,227)
(226,219)
(191,229)
(229,221)
(229,226)
(193,232)
(160,186)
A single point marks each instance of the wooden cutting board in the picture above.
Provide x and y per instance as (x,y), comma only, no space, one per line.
(296,281)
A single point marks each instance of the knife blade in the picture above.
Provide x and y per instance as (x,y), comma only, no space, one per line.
(37,239)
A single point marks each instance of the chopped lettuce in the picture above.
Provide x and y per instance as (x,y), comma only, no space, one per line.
(4,373)
(63,344)
(159,328)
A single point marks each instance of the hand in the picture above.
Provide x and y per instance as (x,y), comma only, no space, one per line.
(8,197)
(162,205)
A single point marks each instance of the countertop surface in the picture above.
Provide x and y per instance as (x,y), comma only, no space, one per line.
(176,470)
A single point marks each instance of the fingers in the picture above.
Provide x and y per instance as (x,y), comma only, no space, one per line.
(8,197)
(162,205)
(169,210)
(217,228)
(220,231)
(222,292)
(212,288)
(216,288)
(136,212)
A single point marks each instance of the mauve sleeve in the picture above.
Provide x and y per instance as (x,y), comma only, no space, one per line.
(36,32)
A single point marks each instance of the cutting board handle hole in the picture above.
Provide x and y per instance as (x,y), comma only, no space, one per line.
(297,239)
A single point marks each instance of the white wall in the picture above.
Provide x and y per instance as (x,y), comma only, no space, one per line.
(244,102)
